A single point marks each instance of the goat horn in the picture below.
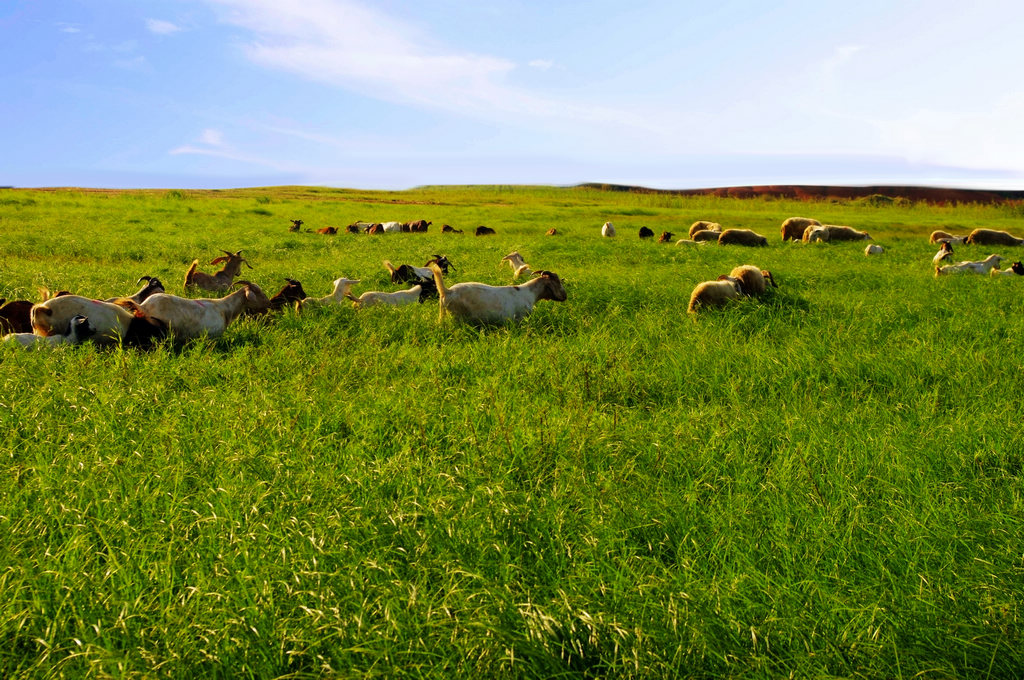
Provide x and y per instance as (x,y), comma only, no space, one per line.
(144,278)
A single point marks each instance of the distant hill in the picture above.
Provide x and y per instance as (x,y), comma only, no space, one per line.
(935,195)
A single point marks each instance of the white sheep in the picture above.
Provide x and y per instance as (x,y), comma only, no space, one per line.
(753,280)
(715,293)
(187,319)
(518,265)
(341,288)
(971,267)
(608,230)
(484,304)
(79,331)
(418,293)
(873,249)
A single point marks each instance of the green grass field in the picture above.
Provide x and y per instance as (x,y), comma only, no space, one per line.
(826,482)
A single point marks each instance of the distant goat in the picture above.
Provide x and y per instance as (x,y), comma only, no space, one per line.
(406,272)
(220,280)
(327,231)
(484,231)
(551,232)
(418,226)
(666,237)
(445,229)
(991,237)
(296,225)
(646,233)
(608,230)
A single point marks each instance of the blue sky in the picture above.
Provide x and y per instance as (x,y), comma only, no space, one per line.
(393,94)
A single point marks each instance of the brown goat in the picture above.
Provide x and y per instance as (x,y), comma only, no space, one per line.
(220,280)
(15,317)
(552,232)
(445,229)
(289,295)
(484,231)
(666,237)
(327,231)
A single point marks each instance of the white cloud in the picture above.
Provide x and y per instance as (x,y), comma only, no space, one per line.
(212,143)
(542,64)
(212,137)
(161,27)
(68,28)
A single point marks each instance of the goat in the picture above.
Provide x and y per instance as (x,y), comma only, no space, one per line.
(971,267)
(715,293)
(418,226)
(187,319)
(703,225)
(793,228)
(551,232)
(406,272)
(874,249)
(945,253)
(608,230)
(842,233)
(393,227)
(484,304)
(1016,269)
(991,237)
(741,237)
(79,330)
(296,225)
(289,295)
(518,264)
(153,286)
(445,229)
(703,235)
(815,233)
(375,229)
(418,293)
(939,236)
(220,280)
(352,229)
(484,231)
(341,287)
(123,321)
(753,280)
(327,231)
(666,237)
(646,233)
(15,317)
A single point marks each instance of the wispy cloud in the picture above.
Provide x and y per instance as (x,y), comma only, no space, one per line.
(212,143)
(68,28)
(542,64)
(161,27)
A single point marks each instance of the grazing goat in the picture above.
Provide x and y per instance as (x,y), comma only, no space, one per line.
(666,237)
(406,272)
(991,237)
(703,225)
(445,229)
(187,319)
(15,317)
(939,236)
(646,233)
(714,293)
(945,253)
(122,321)
(418,293)
(608,230)
(793,228)
(289,295)
(483,304)
(971,267)
(484,231)
(341,287)
(518,265)
(152,287)
(753,280)
(296,225)
(840,233)
(873,249)
(741,237)
(79,330)
(220,280)
(1016,269)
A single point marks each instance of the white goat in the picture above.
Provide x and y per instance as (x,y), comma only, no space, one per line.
(518,264)
(608,230)
(417,293)
(874,249)
(392,227)
(945,253)
(340,292)
(971,267)
(484,304)
(187,319)
(1016,269)
(110,321)
(79,331)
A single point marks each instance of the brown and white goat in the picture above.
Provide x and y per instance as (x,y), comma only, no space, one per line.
(121,321)
(220,280)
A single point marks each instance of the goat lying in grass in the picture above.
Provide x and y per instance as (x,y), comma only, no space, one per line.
(484,304)
(407,273)
(418,293)
(79,330)
(1016,269)
(220,280)
(187,319)
(971,267)
(120,321)
(518,265)
(340,292)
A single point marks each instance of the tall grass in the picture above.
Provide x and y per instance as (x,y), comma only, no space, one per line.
(823,483)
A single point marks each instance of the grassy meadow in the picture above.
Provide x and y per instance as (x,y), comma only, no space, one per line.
(826,482)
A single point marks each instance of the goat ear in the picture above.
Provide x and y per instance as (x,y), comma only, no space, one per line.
(218,260)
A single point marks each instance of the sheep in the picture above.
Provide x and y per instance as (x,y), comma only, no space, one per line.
(406,272)
(646,233)
(793,228)
(122,321)
(480,303)
(714,293)
(753,280)
(939,236)
(296,225)
(991,237)
(841,233)
(705,235)
(741,237)
(1016,269)
(704,225)
(608,230)
(153,286)
(447,229)
(341,288)
(15,317)
(289,295)
(971,267)
(79,330)
(418,293)
(816,234)
(666,237)
(220,280)
(873,249)
(484,231)
(945,253)
(518,265)
(187,319)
